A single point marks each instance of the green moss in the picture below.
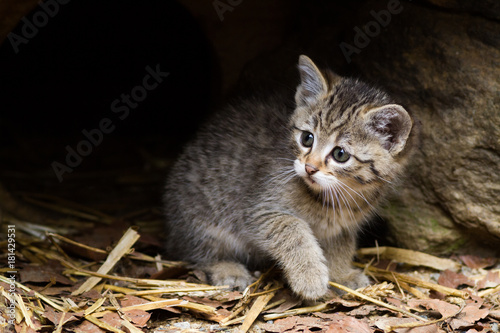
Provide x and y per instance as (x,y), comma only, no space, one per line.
(449,248)
(434,225)
(458,244)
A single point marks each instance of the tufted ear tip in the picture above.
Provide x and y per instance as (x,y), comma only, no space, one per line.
(392,125)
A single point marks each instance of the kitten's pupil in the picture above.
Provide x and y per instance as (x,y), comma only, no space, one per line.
(307,139)
(340,155)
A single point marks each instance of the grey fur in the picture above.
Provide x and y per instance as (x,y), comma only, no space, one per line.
(239,195)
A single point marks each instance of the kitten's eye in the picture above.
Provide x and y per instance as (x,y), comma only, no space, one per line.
(307,139)
(340,155)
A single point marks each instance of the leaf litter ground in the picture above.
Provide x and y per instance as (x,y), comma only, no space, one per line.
(78,269)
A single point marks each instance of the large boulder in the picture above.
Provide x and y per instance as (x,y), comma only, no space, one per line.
(445,66)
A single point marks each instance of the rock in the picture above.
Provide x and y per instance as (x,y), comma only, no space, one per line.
(445,66)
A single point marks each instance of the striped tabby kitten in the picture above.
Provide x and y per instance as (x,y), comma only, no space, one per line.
(265,183)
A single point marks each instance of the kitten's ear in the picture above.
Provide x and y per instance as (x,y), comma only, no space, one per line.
(312,83)
(391,124)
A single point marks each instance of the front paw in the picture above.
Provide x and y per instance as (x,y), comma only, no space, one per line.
(353,279)
(232,274)
(310,283)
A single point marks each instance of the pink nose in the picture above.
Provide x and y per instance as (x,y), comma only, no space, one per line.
(311,169)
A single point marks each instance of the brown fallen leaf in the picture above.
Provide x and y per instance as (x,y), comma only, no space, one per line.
(345,303)
(349,325)
(55,317)
(24,328)
(364,310)
(204,300)
(229,297)
(444,308)
(112,319)
(51,291)
(50,271)
(130,300)
(335,316)
(88,327)
(491,280)
(290,324)
(469,315)
(384,323)
(495,314)
(453,280)
(138,317)
(477,262)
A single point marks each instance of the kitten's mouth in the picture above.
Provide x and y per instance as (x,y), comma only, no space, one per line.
(310,181)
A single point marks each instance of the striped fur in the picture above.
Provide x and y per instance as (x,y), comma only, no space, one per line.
(247,193)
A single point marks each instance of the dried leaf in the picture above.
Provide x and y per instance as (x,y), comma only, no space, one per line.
(477,262)
(52,291)
(88,327)
(204,300)
(491,280)
(55,317)
(364,310)
(384,324)
(348,325)
(446,309)
(337,316)
(346,303)
(24,328)
(50,271)
(112,319)
(289,324)
(129,300)
(138,317)
(469,316)
(453,280)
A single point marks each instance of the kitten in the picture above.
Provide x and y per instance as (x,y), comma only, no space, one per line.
(265,183)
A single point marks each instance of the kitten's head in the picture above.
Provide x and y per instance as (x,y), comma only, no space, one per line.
(346,134)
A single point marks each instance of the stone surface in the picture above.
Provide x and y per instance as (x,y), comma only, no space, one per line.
(445,65)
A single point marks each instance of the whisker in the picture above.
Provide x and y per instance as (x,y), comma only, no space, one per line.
(280,178)
(357,193)
(341,184)
(385,180)
(347,205)
(338,201)
(330,195)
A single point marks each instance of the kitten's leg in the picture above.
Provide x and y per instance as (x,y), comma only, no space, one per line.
(291,243)
(339,253)
(229,273)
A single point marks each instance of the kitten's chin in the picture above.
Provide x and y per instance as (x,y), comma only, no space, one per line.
(312,184)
